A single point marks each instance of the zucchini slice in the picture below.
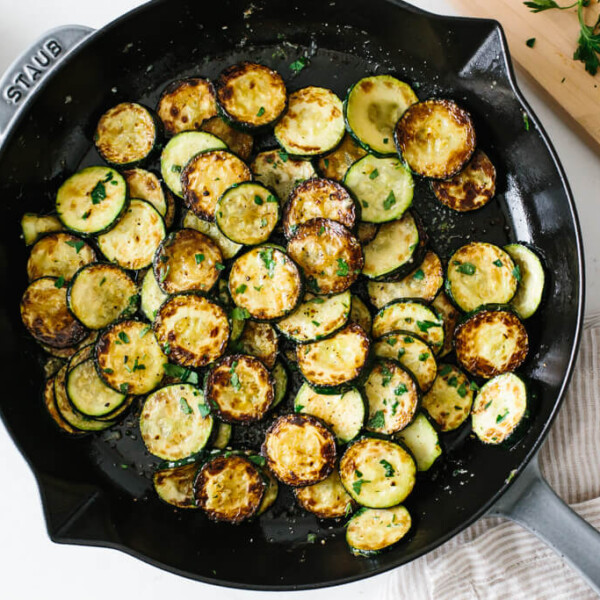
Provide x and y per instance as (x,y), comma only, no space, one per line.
(228,248)
(129,358)
(316,198)
(421,438)
(223,437)
(230,488)
(51,365)
(377,473)
(259,340)
(194,330)
(423,283)
(500,409)
(449,400)
(240,388)
(126,134)
(169,218)
(299,450)
(481,273)
(366,232)
(436,138)
(392,395)
(280,377)
(45,314)
(176,486)
(89,394)
(251,96)
(384,188)
(119,412)
(238,142)
(394,250)
(35,226)
(337,361)
(360,314)
(491,342)
(187,260)
(247,213)
(207,176)
(344,413)
(50,403)
(371,530)
(531,279)
(272,486)
(266,283)
(327,499)
(180,150)
(133,241)
(175,422)
(330,256)
(450,316)
(145,185)
(69,351)
(151,296)
(470,189)
(412,317)
(92,200)
(317,318)
(58,255)
(313,123)
(276,170)
(186,104)
(372,109)
(412,353)
(335,164)
(100,294)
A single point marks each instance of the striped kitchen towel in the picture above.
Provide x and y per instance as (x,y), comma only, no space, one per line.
(496,559)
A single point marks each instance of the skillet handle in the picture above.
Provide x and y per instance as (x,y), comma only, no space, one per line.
(33,67)
(533,504)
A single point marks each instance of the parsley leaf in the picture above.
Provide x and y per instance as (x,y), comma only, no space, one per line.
(343,268)
(517,273)
(203,409)
(240,314)
(182,373)
(266,256)
(419,275)
(389,201)
(283,156)
(466,268)
(199,258)
(401,389)
(299,64)
(78,245)
(389,470)
(424,326)
(377,420)
(257,459)
(498,263)
(358,484)
(261,111)
(374,174)
(462,390)
(271,198)
(98,193)
(185,407)
(60,282)
(123,337)
(258,200)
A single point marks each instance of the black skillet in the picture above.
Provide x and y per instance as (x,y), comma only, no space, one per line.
(47,119)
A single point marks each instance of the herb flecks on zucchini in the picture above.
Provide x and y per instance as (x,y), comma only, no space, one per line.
(260,340)
(335,164)
(327,499)
(145,185)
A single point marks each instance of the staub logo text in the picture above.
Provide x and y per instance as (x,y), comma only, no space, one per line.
(31,71)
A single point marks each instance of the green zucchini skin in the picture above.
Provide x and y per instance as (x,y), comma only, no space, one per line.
(34,226)
(281,379)
(422,439)
(532,279)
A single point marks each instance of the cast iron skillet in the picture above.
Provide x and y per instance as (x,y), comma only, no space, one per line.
(48,120)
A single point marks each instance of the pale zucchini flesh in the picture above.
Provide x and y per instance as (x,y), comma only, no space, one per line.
(224,431)
(145,185)
(260,340)
(450,316)
(176,486)
(35,226)
(531,280)
(360,314)
(280,378)
(335,164)
(238,142)
(228,248)
(371,530)
(50,404)
(151,296)
(327,499)
(421,438)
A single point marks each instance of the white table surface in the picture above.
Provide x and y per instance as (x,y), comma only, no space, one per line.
(31,564)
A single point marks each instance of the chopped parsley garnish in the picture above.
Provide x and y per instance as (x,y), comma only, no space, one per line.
(199,258)
(123,337)
(453,381)
(526,121)
(473,386)
(145,331)
(78,245)
(257,287)
(501,417)
(257,459)
(176,168)
(401,353)
(86,214)
(299,64)
(164,273)
(374,174)
(498,262)
(102,281)
(389,470)
(266,256)
(185,407)
(60,282)
(389,201)
(234,380)
(391,341)
(98,193)
(357,485)
(283,156)
(424,326)
(462,390)
(240,314)
(317,300)
(219,266)
(530,42)
(401,389)
(466,268)
(386,376)
(419,275)
(108,371)
(271,198)
(445,370)
(203,409)
(316,323)
(326,163)
(261,111)
(321,230)
(423,356)
(395,407)
(343,268)
(408,340)
(365,204)
(167,348)
(263,222)
(298,408)
(124,388)
(182,373)
(311,538)
(241,288)
(517,273)
(377,420)
(258,200)
(385,140)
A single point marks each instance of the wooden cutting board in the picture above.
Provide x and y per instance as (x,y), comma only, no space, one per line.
(550,62)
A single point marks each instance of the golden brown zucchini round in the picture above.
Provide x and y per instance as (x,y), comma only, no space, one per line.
(335,164)
(69,351)
(259,340)
(238,142)
(360,314)
(34,226)
(145,185)
(299,450)
(450,316)
(50,403)
(176,486)
(327,499)
(228,248)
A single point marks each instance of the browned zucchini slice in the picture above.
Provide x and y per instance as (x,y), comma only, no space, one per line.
(223,436)
(470,189)
(132,242)
(207,176)
(272,490)
(69,351)
(330,256)
(129,358)
(241,388)
(50,403)
(360,314)
(238,142)
(176,486)
(338,360)
(313,123)
(46,316)
(145,185)
(126,134)
(100,294)
(316,198)
(175,422)
(423,283)
(491,342)
(276,170)
(228,248)
(260,340)
(366,232)
(335,164)
(327,499)
(169,217)
(247,213)
(392,395)
(377,473)
(35,226)
(251,96)
(450,316)
(230,488)
(186,104)
(299,450)
(58,255)
(187,260)
(436,138)
(266,283)
(194,330)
